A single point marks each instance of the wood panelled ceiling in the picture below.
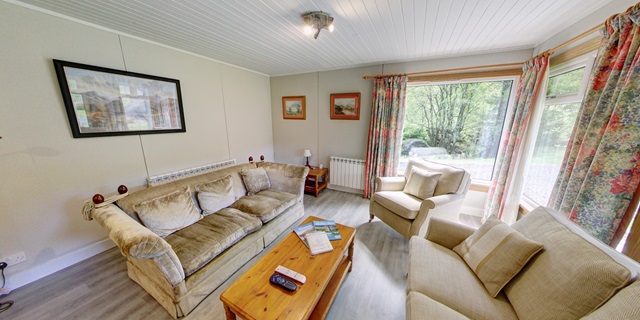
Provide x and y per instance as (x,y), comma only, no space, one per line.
(267,35)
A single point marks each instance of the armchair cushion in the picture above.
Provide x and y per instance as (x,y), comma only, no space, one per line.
(451,181)
(168,213)
(421,183)
(496,253)
(402,204)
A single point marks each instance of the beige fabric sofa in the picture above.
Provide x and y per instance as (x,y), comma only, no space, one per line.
(573,277)
(183,268)
(406,210)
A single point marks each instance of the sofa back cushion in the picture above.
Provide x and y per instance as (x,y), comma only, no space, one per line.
(452,180)
(255,180)
(215,195)
(570,278)
(624,305)
(168,213)
(421,183)
(127,203)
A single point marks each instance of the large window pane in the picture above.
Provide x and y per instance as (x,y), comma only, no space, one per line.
(458,124)
(565,83)
(554,133)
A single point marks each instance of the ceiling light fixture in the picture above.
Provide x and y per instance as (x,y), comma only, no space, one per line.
(317,20)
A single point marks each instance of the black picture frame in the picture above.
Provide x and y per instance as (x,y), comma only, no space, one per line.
(109,102)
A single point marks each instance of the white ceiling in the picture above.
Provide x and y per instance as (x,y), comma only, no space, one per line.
(267,35)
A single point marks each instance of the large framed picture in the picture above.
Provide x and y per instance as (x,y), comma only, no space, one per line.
(108,102)
(294,108)
(345,106)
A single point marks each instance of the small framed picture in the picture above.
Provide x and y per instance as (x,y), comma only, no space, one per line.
(345,106)
(294,108)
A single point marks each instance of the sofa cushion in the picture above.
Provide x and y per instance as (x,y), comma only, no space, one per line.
(255,180)
(443,276)
(215,195)
(496,253)
(421,307)
(421,183)
(568,279)
(398,202)
(262,206)
(168,213)
(286,197)
(624,305)
(199,243)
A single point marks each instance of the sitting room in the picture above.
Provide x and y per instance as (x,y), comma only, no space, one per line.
(420,159)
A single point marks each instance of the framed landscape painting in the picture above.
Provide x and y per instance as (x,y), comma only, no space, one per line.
(294,108)
(108,102)
(345,106)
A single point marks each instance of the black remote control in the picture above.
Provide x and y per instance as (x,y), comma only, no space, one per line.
(283,282)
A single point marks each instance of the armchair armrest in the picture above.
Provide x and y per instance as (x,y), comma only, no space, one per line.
(445,206)
(447,233)
(136,241)
(390,183)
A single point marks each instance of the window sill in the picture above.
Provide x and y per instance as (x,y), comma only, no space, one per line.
(481,186)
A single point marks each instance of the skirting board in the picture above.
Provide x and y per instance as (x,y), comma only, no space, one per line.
(15,281)
(345,189)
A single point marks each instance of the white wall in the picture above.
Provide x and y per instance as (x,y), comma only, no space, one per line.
(47,174)
(585,24)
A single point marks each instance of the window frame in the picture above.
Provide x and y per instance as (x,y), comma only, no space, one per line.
(481,183)
(586,60)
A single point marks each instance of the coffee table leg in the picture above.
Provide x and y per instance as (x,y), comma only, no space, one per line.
(350,255)
(227,311)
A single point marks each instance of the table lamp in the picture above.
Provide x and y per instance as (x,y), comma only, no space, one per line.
(307,154)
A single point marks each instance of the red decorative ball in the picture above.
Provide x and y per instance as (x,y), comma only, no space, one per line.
(262,158)
(122,189)
(98,198)
(250,159)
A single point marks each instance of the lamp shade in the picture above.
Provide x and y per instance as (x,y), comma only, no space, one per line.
(307,153)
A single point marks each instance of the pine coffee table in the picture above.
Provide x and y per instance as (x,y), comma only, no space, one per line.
(252,296)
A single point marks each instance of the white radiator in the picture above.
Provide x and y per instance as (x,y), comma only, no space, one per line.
(348,173)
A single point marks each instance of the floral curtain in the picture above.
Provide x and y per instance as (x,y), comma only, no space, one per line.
(601,171)
(502,199)
(385,130)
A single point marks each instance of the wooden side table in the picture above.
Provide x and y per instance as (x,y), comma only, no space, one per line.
(316,180)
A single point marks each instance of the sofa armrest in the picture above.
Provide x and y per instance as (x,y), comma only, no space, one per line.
(390,183)
(447,233)
(136,241)
(286,177)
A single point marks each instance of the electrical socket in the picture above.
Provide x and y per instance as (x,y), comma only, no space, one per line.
(14,259)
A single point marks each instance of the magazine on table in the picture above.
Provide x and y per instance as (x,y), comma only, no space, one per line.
(302,230)
(329,227)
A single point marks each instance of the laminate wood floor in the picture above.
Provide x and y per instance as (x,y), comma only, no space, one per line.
(99,288)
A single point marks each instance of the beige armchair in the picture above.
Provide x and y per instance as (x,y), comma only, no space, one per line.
(427,189)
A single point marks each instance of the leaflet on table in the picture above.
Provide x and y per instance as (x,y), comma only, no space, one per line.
(302,230)
(329,227)
(318,242)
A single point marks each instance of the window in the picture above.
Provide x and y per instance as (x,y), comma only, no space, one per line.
(565,90)
(456,123)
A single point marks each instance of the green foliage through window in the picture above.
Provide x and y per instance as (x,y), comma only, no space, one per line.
(460,122)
